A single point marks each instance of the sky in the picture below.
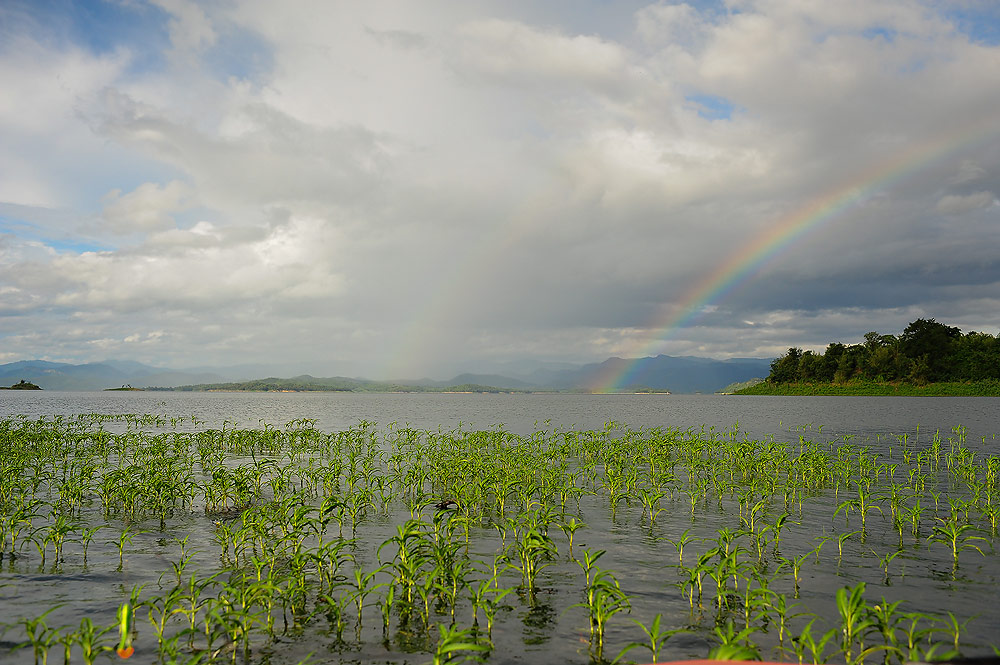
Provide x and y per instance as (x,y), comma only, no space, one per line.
(407,189)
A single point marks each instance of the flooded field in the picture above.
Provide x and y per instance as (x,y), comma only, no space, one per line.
(166,539)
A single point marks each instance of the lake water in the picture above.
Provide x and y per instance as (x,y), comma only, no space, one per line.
(756,416)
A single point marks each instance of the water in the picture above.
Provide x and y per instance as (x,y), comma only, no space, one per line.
(639,555)
(757,416)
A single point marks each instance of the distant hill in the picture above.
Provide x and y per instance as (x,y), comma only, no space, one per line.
(741,385)
(98,376)
(678,374)
(687,374)
(482,380)
(306,383)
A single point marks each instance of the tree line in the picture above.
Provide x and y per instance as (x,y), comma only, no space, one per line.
(925,352)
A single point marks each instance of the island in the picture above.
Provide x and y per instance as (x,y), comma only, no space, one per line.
(22,385)
(928,358)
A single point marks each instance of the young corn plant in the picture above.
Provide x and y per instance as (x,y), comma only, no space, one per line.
(604,599)
(681,541)
(855,622)
(957,537)
(91,640)
(655,635)
(733,644)
(570,527)
(40,636)
(805,644)
(454,644)
(533,552)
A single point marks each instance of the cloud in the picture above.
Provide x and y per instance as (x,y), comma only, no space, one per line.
(258,156)
(190,28)
(147,208)
(956,204)
(515,53)
(401,39)
(42,87)
(387,187)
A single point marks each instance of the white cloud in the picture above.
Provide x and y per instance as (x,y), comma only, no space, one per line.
(42,85)
(38,123)
(518,54)
(190,29)
(677,26)
(149,207)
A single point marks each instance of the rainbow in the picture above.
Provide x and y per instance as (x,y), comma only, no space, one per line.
(745,263)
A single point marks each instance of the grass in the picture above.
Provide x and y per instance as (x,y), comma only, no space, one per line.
(989,388)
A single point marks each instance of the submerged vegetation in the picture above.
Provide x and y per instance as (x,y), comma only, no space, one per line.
(928,358)
(177,543)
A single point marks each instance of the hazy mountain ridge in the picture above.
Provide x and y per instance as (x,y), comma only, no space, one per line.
(684,374)
(678,374)
(99,375)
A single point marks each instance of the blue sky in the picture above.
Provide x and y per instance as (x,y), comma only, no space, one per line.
(391,189)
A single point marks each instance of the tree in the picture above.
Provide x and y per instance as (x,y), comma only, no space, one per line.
(831,359)
(926,351)
(786,368)
(849,363)
(928,343)
(976,356)
(810,367)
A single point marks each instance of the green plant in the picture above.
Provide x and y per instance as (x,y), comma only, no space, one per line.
(733,644)
(956,536)
(452,642)
(816,647)
(533,552)
(91,640)
(125,631)
(604,599)
(125,538)
(655,637)
(570,527)
(40,636)
(681,541)
(884,561)
(855,621)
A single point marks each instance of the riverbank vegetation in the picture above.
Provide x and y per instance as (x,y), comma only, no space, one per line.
(876,388)
(927,358)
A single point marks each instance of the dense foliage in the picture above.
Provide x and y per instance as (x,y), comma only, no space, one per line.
(925,352)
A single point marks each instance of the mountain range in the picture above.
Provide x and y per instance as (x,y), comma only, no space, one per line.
(684,374)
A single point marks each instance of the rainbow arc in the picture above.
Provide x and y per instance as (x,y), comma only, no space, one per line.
(743,264)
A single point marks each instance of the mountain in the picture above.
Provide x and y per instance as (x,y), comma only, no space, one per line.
(467,379)
(678,374)
(98,376)
(685,374)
